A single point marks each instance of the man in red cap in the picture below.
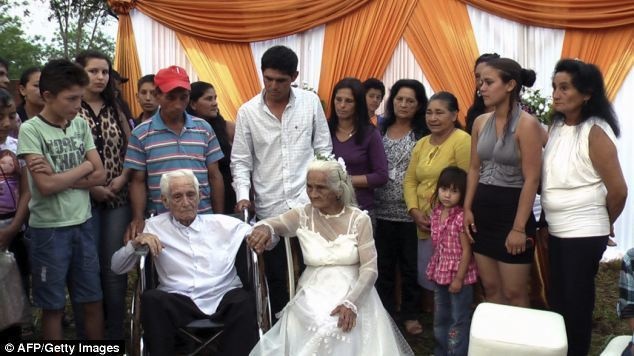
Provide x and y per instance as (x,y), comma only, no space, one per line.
(171,140)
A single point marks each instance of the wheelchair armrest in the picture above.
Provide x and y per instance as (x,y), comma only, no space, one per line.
(142,250)
(146,271)
(259,287)
(290,267)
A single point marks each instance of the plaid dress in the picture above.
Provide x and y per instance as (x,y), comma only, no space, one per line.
(445,235)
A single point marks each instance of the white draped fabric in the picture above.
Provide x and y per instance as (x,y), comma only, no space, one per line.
(533,47)
(308,45)
(403,65)
(539,49)
(624,227)
(158,46)
(536,48)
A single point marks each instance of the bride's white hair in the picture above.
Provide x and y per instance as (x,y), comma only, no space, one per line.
(337,180)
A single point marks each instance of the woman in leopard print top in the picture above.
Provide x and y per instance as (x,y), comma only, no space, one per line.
(110,207)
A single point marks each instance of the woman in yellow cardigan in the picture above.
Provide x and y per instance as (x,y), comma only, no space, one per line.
(447,145)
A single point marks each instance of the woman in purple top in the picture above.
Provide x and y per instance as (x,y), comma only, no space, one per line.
(357,141)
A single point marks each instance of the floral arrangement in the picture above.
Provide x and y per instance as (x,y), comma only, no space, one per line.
(538,105)
(305,86)
(331,157)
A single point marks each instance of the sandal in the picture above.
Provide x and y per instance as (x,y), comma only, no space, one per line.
(413,327)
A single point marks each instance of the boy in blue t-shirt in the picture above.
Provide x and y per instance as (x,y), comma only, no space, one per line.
(63,163)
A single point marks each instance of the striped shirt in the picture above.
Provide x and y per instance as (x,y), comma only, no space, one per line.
(156,149)
(625,305)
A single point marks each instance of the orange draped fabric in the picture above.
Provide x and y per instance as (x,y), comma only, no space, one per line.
(610,49)
(579,14)
(598,32)
(361,44)
(441,38)
(229,67)
(245,20)
(126,58)
(361,35)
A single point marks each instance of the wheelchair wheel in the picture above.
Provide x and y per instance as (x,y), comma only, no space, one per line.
(263,302)
(136,331)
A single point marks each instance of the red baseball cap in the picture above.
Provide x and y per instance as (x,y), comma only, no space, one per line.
(170,78)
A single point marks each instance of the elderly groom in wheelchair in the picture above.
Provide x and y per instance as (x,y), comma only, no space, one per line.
(194,257)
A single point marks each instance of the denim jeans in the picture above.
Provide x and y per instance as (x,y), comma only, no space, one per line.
(425,250)
(109,226)
(64,257)
(452,320)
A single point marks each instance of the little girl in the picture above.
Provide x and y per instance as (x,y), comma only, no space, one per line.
(451,267)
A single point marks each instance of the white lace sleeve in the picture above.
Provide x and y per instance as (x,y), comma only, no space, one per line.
(285,224)
(368,270)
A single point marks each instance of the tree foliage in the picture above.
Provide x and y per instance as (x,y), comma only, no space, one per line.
(99,41)
(78,23)
(20,50)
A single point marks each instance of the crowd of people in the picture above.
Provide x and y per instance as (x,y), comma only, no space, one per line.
(410,201)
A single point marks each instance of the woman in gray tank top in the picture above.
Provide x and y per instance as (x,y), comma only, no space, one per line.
(506,154)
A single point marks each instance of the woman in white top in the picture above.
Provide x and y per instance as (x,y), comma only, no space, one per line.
(335,310)
(583,193)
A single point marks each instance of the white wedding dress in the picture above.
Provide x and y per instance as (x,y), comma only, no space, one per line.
(340,260)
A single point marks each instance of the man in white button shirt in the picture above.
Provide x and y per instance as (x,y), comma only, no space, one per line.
(194,257)
(278,133)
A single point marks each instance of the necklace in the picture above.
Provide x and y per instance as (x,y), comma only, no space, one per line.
(437,141)
(349,133)
(329,216)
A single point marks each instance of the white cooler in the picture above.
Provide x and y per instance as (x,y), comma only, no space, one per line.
(504,330)
(617,345)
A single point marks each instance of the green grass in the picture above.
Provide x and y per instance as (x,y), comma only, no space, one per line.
(606,325)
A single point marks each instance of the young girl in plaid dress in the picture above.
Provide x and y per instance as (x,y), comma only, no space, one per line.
(452,266)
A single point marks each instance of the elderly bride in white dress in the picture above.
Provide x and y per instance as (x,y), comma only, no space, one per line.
(336,310)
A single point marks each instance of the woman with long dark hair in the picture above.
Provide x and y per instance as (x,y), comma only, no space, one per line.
(203,103)
(506,156)
(110,207)
(396,240)
(583,193)
(32,102)
(357,141)
(478,108)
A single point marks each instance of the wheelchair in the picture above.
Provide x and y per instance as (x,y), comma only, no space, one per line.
(294,263)
(250,269)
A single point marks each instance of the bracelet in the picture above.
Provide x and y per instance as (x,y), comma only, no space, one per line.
(348,304)
(518,230)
